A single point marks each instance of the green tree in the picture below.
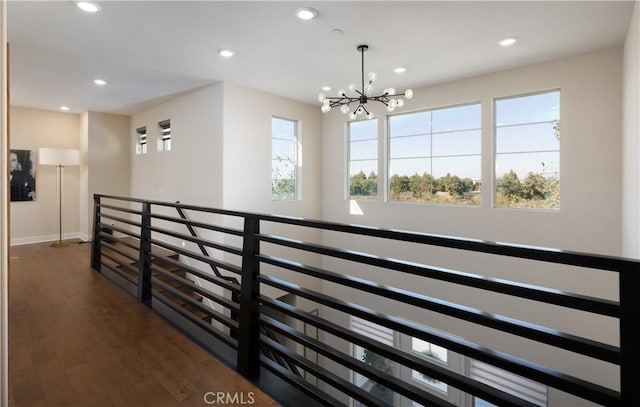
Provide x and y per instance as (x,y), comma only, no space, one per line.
(509,185)
(398,184)
(420,186)
(372,184)
(359,185)
(534,186)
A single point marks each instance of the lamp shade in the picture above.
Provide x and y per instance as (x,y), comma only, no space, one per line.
(56,156)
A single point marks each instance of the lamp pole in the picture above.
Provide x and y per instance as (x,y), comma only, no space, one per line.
(59,243)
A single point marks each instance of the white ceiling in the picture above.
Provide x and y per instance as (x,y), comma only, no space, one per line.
(150,50)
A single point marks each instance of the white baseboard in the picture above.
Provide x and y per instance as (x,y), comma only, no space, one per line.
(47,238)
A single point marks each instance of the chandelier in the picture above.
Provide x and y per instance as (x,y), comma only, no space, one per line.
(389,97)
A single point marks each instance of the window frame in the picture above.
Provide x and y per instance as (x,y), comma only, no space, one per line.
(494,155)
(430,134)
(165,142)
(349,160)
(296,159)
(142,147)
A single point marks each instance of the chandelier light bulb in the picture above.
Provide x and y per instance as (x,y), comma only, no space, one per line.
(400,103)
(392,91)
(352,87)
(368,89)
(372,76)
(352,115)
(390,108)
(344,109)
(342,93)
(393,103)
(322,97)
(369,115)
(359,111)
(325,108)
(408,94)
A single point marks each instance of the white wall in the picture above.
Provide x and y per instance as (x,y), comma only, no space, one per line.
(247,167)
(107,160)
(221,156)
(247,149)
(589,218)
(192,171)
(37,221)
(631,140)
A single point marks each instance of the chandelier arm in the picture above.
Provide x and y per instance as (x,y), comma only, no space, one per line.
(382,99)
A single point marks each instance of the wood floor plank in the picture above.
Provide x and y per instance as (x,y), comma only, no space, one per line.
(76,339)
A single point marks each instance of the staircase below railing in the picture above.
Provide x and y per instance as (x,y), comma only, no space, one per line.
(141,257)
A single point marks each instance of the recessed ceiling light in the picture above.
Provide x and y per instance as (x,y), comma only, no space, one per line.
(65,108)
(227,53)
(400,69)
(326,88)
(507,41)
(337,31)
(306,13)
(100,82)
(88,6)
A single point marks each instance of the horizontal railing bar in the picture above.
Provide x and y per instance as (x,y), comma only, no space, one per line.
(210,312)
(189,222)
(122,264)
(119,219)
(267,332)
(570,300)
(588,260)
(213,245)
(121,209)
(409,360)
(111,247)
(551,255)
(513,326)
(208,327)
(119,230)
(176,205)
(200,290)
(388,380)
(326,376)
(222,281)
(121,274)
(533,371)
(301,384)
(208,260)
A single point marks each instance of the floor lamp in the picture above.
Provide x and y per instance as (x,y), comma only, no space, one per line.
(60,157)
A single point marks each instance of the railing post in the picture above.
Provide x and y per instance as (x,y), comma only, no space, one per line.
(96,240)
(144,263)
(629,281)
(248,361)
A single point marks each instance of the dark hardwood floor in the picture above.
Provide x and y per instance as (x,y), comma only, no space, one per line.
(76,339)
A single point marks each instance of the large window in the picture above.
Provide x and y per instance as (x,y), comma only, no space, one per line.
(528,151)
(435,156)
(363,159)
(284,159)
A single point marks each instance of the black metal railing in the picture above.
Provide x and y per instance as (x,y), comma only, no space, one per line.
(355,281)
